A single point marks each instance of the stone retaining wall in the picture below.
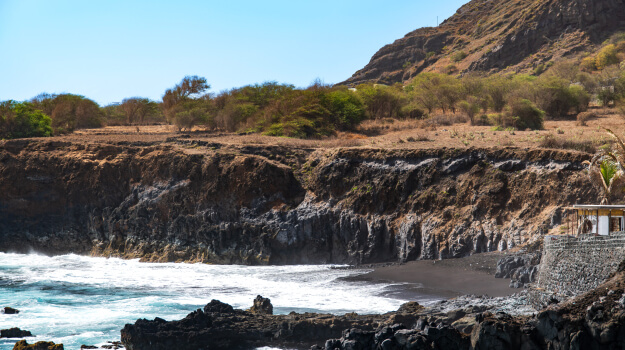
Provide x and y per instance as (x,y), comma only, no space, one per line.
(573,265)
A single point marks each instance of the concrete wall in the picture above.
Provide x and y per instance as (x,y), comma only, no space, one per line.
(573,265)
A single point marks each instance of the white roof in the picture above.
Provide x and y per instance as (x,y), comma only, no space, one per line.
(596,206)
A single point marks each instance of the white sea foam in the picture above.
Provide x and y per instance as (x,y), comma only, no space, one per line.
(83,300)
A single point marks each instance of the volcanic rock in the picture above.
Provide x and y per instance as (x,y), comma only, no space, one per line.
(10,311)
(14,333)
(509,35)
(40,345)
(262,306)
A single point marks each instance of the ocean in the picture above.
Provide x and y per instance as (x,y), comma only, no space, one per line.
(78,300)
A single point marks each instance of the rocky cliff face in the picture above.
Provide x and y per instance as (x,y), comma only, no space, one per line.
(511,35)
(255,205)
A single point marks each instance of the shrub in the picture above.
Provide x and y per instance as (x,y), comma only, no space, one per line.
(470,109)
(501,121)
(526,114)
(69,112)
(458,56)
(588,64)
(620,104)
(550,141)
(381,101)
(482,120)
(606,57)
(347,109)
(18,120)
(412,111)
(557,97)
(606,95)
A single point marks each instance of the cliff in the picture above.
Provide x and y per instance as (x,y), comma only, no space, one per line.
(275,205)
(487,35)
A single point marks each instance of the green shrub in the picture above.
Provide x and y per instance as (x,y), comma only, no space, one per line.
(345,106)
(526,115)
(470,109)
(556,96)
(18,120)
(588,64)
(69,112)
(606,56)
(458,56)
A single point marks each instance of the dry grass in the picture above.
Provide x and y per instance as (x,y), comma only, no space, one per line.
(437,132)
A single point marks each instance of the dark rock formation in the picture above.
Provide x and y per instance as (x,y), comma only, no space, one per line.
(219,326)
(594,320)
(514,35)
(397,337)
(520,268)
(10,311)
(40,345)
(262,306)
(229,206)
(14,333)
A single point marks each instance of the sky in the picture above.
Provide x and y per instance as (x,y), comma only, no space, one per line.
(110,50)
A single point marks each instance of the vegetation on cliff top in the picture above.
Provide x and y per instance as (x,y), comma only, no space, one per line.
(516,101)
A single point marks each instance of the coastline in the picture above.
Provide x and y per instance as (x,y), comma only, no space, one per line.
(449,278)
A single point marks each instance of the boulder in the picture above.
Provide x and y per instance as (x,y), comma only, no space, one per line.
(14,333)
(10,311)
(262,306)
(40,345)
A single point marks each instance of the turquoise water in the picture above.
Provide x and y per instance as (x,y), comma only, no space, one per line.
(77,300)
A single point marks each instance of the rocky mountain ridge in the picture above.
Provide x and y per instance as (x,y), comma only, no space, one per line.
(268,205)
(489,35)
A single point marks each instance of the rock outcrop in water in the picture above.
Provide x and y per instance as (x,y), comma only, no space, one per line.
(272,205)
(220,327)
(14,333)
(7,310)
(595,320)
(40,345)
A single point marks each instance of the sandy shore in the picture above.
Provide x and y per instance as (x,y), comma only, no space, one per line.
(447,278)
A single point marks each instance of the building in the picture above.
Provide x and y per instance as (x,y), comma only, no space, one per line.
(599,220)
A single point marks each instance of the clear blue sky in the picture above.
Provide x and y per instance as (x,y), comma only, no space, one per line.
(108,50)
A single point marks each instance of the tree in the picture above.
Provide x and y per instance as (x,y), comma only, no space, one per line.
(607,176)
(380,101)
(136,109)
(69,112)
(526,114)
(184,105)
(606,56)
(18,120)
(470,108)
(498,88)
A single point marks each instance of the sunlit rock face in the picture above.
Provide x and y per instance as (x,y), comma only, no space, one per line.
(249,205)
(511,35)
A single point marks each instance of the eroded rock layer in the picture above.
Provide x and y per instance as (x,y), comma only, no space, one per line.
(255,205)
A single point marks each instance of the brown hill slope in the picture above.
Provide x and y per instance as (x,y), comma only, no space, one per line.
(494,35)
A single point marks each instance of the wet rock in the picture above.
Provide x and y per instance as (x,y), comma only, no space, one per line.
(218,307)
(88,346)
(7,310)
(14,333)
(410,307)
(40,345)
(262,306)
(235,328)
(520,268)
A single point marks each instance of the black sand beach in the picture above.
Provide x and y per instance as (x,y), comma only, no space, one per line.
(448,278)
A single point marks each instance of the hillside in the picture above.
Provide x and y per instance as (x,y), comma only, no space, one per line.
(489,35)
